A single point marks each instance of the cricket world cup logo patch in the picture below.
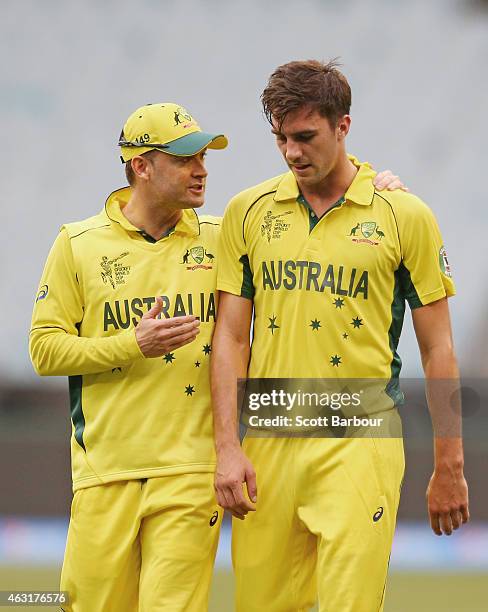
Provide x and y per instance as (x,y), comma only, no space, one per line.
(113,272)
(198,258)
(370,233)
(274,225)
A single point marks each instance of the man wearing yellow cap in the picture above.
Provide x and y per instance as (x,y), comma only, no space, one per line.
(126,308)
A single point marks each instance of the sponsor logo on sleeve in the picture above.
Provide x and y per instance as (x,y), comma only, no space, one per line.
(42,293)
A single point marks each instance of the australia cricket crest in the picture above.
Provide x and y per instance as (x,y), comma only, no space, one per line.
(367,228)
(370,232)
(194,258)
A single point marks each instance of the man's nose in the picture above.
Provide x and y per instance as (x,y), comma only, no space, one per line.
(293,151)
(199,168)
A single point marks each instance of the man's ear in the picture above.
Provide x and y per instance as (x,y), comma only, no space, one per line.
(343,126)
(141,167)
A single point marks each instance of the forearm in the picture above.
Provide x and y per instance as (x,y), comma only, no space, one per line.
(444,401)
(57,353)
(230,357)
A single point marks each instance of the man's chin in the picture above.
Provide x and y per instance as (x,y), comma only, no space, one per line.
(198,203)
(305,178)
(193,203)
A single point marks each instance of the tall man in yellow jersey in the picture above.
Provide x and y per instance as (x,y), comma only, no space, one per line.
(326,263)
(126,308)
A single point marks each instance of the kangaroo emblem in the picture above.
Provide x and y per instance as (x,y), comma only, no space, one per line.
(177,118)
(354,230)
(185,257)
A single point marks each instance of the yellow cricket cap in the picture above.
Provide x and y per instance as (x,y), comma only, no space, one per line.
(167,127)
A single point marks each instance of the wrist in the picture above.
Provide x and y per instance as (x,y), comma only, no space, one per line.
(448,455)
(451,465)
(227,445)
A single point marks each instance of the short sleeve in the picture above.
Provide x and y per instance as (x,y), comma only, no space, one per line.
(234,271)
(425,273)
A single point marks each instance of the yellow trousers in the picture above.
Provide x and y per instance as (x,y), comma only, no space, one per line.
(142,545)
(323,527)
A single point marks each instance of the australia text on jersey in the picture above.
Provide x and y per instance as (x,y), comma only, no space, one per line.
(121,314)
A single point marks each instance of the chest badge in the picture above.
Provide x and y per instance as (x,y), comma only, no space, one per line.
(114,272)
(197,258)
(367,232)
(274,225)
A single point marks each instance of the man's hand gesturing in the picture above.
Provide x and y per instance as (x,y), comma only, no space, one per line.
(156,337)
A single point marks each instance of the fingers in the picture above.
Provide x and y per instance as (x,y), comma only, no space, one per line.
(226,501)
(157,337)
(446,523)
(231,497)
(241,505)
(153,312)
(178,333)
(252,488)
(434,523)
(176,322)
(382,179)
(456,519)
(171,338)
(231,505)
(388,180)
(465,513)
(395,183)
(381,176)
(181,341)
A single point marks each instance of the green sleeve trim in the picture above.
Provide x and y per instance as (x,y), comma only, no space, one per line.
(247,286)
(397,314)
(408,288)
(404,289)
(77,416)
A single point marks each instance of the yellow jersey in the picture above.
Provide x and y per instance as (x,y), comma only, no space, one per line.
(132,417)
(329,294)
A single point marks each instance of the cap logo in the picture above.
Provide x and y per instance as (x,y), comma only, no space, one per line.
(182,117)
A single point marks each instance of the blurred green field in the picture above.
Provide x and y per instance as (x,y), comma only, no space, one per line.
(407,592)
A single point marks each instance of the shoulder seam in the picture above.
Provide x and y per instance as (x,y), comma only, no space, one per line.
(249,208)
(394,217)
(89,229)
(209,223)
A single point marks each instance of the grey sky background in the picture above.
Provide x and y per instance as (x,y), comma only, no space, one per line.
(72,72)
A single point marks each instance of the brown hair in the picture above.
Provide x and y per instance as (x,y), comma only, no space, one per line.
(310,83)
(130,175)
